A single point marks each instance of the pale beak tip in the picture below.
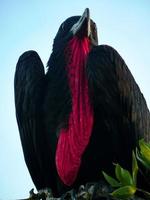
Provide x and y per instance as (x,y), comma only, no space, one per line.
(87,12)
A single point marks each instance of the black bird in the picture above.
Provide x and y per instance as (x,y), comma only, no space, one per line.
(84,114)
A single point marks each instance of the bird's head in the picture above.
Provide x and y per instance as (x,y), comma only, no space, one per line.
(76,26)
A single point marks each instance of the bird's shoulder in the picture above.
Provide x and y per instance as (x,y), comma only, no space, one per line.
(105,57)
(105,50)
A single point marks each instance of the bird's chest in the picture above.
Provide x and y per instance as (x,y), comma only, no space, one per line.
(73,140)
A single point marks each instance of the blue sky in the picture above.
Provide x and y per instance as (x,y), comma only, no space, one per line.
(25,25)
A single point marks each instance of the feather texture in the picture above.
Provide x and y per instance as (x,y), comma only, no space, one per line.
(44,104)
(29,91)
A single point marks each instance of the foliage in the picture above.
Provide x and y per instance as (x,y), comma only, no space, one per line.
(143,155)
(126,182)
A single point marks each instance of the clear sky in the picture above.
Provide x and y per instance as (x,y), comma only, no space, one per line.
(32,24)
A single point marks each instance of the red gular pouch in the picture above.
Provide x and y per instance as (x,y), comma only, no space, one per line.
(73,140)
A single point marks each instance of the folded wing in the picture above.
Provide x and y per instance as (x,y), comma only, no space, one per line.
(29,96)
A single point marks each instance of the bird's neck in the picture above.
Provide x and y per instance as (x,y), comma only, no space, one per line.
(77,51)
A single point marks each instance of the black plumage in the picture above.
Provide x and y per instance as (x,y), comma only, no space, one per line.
(43,104)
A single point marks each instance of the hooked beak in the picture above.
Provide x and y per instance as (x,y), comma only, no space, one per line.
(83,28)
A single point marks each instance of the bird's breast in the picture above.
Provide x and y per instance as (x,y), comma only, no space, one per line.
(73,141)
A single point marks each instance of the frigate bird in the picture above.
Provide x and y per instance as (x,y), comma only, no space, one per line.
(85,113)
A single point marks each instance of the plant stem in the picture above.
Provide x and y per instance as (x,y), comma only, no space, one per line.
(147,194)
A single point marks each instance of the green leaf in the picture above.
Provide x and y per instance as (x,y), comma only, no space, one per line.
(134,168)
(141,142)
(113,182)
(123,176)
(144,147)
(124,192)
(142,159)
(145,151)
(148,144)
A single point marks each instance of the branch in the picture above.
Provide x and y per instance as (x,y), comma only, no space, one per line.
(91,191)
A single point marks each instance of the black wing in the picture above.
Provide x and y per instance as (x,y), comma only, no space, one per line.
(117,101)
(29,97)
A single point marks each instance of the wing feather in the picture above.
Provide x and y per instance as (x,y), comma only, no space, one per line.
(110,74)
(121,113)
(28,87)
